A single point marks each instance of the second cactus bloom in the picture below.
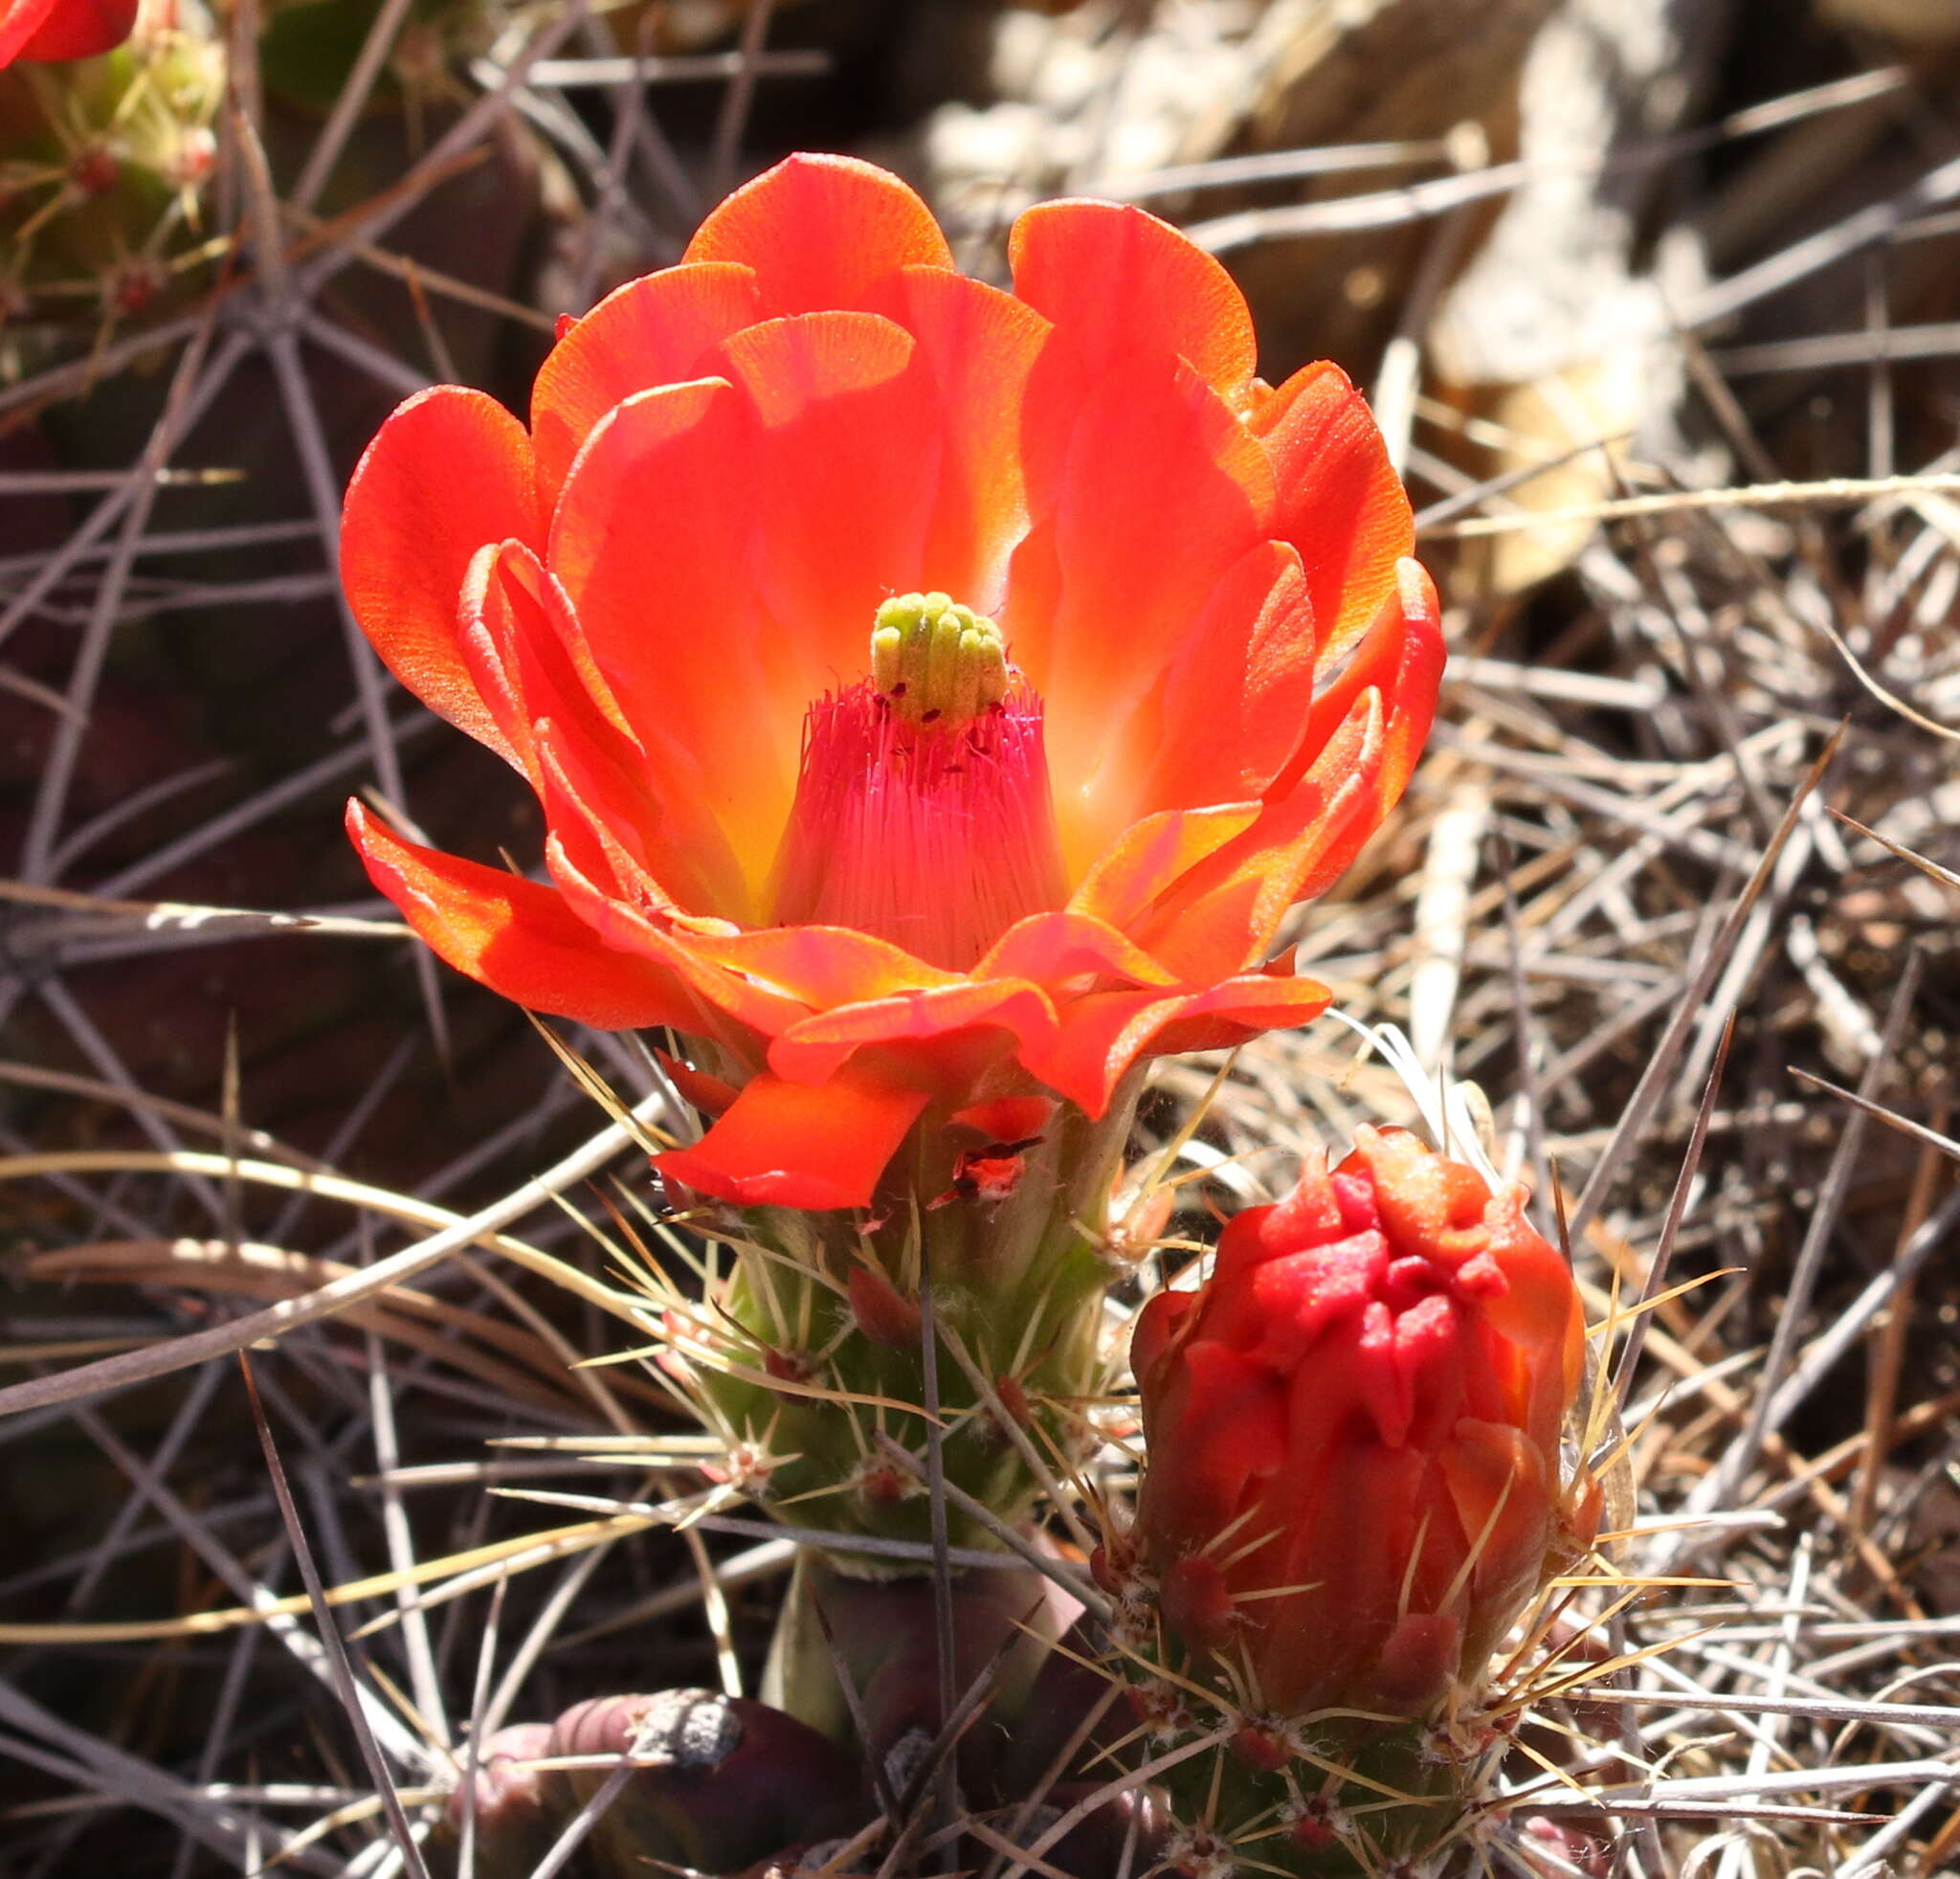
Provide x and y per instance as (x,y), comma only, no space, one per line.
(1361,1472)
(1355,1433)
(1359,1477)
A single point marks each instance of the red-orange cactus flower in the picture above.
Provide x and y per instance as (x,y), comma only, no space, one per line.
(1353,1432)
(64,29)
(934,694)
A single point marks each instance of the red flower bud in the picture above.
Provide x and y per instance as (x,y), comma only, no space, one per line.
(1353,1432)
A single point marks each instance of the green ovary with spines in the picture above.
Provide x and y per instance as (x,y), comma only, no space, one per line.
(808,1371)
(1355,1799)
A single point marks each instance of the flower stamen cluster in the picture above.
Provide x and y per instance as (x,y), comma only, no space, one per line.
(936,662)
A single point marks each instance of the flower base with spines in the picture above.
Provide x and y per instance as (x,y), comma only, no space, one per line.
(809,1357)
(1338,1795)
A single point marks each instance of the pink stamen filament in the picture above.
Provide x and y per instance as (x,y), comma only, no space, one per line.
(937,837)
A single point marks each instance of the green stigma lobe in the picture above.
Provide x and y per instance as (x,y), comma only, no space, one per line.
(937,661)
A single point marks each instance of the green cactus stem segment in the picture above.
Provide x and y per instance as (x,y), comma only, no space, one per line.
(801,1371)
(937,661)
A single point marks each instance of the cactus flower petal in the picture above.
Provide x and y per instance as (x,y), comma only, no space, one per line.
(1341,504)
(800,1145)
(48,29)
(450,472)
(1117,284)
(517,932)
(821,232)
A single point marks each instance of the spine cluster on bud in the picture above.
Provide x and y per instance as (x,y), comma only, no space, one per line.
(934,661)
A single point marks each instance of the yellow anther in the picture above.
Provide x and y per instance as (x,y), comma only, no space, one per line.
(938,661)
